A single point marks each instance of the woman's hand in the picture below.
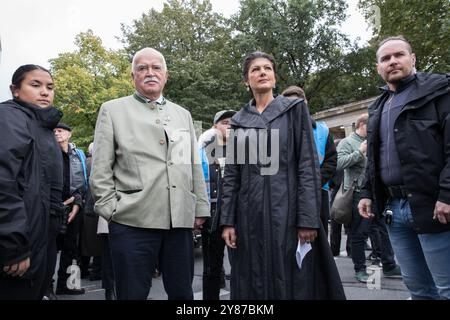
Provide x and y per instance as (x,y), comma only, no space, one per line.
(229,235)
(306,235)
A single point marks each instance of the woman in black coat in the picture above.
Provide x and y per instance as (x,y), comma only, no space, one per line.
(30,182)
(271,193)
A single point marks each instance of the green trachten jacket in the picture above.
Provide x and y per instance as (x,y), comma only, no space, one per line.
(146,170)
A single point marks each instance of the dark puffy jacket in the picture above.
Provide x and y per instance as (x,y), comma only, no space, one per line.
(30,180)
(422,139)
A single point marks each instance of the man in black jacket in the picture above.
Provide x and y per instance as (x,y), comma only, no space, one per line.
(408,172)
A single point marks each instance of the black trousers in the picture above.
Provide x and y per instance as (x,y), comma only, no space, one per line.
(360,232)
(213,252)
(107,264)
(335,238)
(134,253)
(52,252)
(68,244)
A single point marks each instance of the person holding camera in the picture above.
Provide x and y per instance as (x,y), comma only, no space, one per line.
(74,189)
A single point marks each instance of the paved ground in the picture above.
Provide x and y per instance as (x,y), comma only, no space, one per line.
(383,289)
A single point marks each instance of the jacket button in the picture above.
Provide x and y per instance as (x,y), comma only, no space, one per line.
(162,141)
(395,130)
(409,195)
(158,121)
(152,107)
(168,188)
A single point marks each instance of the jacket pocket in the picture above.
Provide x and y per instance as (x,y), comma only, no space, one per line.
(426,128)
(422,125)
(128,177)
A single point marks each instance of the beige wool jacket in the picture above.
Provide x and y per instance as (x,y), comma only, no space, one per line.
(146,170)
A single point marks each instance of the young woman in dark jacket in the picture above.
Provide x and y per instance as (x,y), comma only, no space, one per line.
(30,182)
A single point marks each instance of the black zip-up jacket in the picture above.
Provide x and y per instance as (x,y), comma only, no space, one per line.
(422,140)
(30,181)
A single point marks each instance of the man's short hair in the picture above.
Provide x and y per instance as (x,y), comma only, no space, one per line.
(294,91)
(362,119)
(395,38)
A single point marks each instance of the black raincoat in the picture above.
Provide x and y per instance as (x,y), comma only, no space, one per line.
(267,206)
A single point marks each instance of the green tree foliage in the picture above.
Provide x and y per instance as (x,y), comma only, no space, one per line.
(358,80)
(204,53)
(303,37)
(426,24)
(87,78)
(197,44)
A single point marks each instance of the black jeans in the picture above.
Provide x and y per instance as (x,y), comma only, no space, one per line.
(213,252)
(360,229)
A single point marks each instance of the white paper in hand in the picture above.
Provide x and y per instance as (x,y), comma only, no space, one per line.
(302,250)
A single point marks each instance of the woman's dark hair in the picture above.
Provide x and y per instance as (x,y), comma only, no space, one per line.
(22,71)
(255,55)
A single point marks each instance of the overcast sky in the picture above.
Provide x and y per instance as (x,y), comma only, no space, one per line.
(36,31)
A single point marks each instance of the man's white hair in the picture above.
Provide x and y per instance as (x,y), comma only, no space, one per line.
(149,51)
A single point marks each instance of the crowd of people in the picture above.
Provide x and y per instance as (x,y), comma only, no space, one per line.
(257,184)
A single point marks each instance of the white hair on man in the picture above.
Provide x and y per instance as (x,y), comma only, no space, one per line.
(148,51)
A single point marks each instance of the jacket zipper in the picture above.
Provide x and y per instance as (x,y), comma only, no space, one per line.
(389,133)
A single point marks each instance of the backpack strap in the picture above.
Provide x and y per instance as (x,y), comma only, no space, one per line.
(82,157)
